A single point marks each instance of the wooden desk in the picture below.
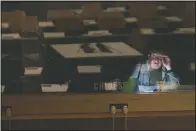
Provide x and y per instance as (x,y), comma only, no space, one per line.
(49,104)
(119,49)
(48,26)
(90,111)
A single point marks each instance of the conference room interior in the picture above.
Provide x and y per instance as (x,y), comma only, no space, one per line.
(73,48)
(59,69)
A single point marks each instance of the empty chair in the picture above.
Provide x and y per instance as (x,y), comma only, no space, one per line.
(114,4)
(11,72)
(73,23)
(166,24)
(58,14)
(5,16)
(123,3)
(190,14)
(15,20)
(29,26)
(61,5)
(175,8)
(32,79)
(111,20)
(144,12)
(184,10)
(32,53)
(162,10)
(66,21)
(108,4)
(91,10)
(31,48)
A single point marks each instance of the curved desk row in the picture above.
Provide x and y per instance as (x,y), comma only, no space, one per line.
(48,104)
(91,111)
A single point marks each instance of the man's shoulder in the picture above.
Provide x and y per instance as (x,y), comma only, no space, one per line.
(142,66)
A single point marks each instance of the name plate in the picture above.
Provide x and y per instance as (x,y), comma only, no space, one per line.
(192,66)
(150,31)
(185,31)
(11,36)
(131,19)
(173,19)
(89,69)
(147,31)
(4,25)
(89,22)
(116,9)
(54,87)
(54,35)
(33,70)
(99,33)
(46,24)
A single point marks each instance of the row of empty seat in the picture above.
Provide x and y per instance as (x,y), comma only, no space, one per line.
(49,52)
(141,9)
(74,19)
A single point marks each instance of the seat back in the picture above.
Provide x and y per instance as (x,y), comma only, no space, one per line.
(111,20)
(91,10)
(15,20)
(29,26)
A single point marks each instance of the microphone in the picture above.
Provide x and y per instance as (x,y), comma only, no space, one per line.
(178,82)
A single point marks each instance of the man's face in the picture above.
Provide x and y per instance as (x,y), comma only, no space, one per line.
(155,61)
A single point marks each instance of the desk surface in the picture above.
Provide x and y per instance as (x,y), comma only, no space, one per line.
(75,51)
(51,106)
